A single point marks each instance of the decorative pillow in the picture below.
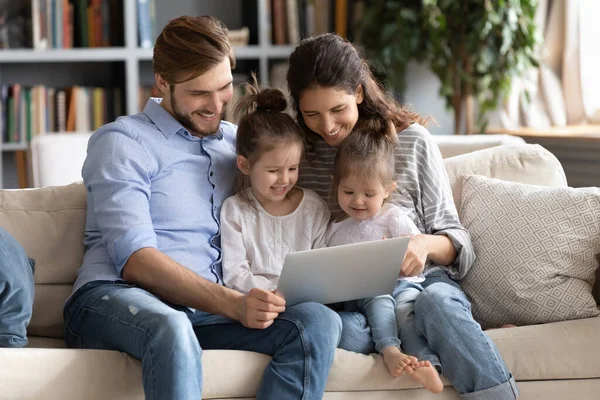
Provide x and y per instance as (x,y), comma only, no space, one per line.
(536,251)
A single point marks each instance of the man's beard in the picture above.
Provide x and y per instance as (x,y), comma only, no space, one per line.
(187,122)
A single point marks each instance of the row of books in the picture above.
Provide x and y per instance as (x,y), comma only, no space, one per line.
(61,24)
(293,20)
(29,111)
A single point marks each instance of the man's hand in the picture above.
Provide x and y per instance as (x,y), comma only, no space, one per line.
(416,256)
(259,308)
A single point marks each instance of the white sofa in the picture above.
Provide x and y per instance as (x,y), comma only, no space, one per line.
(552,361)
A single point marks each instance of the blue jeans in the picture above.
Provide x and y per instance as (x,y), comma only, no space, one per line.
(170,339)
(380,317)
(17,290)
(405,293)
(443,317)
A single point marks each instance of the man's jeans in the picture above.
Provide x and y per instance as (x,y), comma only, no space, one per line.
(16,291)
(169,340)
(443,317)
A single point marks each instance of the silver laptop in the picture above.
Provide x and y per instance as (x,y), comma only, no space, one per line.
(342,273)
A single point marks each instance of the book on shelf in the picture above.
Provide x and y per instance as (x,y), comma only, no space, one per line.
(61,24)
(290,21)
(146,18)
(38,110)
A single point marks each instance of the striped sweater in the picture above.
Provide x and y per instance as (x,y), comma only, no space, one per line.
(423,187)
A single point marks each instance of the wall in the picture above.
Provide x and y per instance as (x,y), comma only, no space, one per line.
(422,96)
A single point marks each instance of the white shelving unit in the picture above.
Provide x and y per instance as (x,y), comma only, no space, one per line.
(132,56)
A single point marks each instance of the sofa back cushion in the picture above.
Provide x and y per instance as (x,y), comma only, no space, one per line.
(49,224)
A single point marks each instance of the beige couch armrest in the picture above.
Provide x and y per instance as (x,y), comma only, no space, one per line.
(522,163)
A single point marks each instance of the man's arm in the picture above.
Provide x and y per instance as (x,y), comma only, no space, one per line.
(156,272)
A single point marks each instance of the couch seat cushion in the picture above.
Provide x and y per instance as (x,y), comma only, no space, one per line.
(561,350)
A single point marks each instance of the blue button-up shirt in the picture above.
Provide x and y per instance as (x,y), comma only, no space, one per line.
(150,183)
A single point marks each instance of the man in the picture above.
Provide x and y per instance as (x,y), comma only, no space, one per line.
(150,284)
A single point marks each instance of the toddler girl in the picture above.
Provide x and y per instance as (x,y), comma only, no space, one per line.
(269,217)
(362,184)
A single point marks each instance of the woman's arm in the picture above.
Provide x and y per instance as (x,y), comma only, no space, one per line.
(427,176)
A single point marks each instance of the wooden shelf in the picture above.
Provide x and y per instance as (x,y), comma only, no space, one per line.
(14,146)
(241,52)
(63,55)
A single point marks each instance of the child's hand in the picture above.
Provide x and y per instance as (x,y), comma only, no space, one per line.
(259,308)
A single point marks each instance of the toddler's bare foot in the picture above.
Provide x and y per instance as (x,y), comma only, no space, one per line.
(396,361)
(427,375)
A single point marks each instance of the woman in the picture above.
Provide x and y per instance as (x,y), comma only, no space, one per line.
(332,88)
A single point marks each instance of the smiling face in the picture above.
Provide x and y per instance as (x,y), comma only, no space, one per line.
(329,112)
(360,198)
(275,172)
(198,104)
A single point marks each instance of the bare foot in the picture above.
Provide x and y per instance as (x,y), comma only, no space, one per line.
(397,362)
(427,375)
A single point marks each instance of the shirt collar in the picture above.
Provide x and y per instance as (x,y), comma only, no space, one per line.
(161,118)
(166,123)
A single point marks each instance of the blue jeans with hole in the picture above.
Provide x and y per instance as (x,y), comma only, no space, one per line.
(170,339)
(17,290)
(442,316)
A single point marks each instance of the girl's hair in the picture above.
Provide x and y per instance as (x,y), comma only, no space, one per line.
(368,154)
(189,46)
(263,125)
(329,61)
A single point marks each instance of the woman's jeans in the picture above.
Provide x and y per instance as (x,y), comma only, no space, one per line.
(442,316)
(169,340)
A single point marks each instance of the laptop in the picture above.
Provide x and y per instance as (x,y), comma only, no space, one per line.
(342,273)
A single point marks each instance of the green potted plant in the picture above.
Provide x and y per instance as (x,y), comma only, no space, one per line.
(475,47)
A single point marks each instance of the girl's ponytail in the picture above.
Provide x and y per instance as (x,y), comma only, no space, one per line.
(259,99)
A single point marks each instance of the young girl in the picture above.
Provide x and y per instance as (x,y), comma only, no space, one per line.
(269,216)
(363,181)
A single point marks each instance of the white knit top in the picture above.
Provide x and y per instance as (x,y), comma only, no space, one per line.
(255,242)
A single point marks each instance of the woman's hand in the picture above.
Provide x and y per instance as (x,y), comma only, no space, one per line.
(438,248)
(416,256)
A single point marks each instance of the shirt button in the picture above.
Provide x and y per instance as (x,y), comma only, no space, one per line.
(186,133)
(211,173)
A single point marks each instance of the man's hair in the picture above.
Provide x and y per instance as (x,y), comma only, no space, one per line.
(189,46)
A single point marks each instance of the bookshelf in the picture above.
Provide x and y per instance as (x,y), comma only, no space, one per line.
(129,66)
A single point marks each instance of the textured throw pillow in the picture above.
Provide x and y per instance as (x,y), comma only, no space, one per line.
(536,251)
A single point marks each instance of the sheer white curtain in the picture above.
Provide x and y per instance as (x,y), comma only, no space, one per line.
(565,90)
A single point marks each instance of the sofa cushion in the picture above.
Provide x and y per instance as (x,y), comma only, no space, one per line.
(536,251)
(563,350)
(49,224)
(529,163)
